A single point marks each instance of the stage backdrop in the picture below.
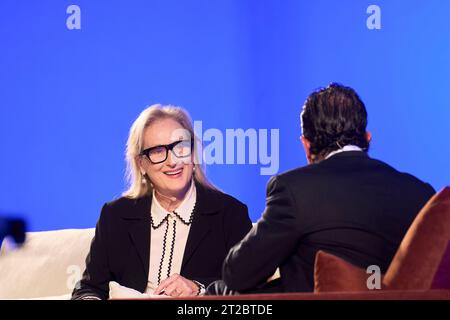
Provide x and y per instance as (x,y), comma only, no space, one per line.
(75,74)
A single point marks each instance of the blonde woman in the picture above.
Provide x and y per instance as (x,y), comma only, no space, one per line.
(170,231)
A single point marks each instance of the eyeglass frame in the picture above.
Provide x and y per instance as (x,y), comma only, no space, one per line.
(168,147)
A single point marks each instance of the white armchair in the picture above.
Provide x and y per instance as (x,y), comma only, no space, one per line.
(47,266)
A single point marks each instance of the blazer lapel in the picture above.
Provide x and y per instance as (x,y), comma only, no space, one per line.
(138,224)
(206,206)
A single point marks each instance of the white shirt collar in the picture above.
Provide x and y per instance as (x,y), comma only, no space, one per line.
(348,147)
(183,212)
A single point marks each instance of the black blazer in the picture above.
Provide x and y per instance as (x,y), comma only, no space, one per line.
(349,205)
(120,250)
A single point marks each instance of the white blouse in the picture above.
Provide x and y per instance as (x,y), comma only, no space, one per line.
(168,238)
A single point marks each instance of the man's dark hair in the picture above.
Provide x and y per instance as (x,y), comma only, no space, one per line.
(333,117)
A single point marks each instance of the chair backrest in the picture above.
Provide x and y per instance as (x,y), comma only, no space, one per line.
(423,257)
(48,264)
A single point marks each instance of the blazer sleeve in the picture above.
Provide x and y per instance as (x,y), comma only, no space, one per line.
(94,283)
(253,260)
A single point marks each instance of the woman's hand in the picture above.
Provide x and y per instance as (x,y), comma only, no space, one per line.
(177,286)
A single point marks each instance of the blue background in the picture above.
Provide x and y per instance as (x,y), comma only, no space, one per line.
(68,97)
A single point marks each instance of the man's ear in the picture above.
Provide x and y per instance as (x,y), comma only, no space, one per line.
(307,146)
(368,136)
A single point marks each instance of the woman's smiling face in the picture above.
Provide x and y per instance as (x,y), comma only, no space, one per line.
(173,176)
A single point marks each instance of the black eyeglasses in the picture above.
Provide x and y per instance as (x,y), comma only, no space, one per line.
(158,154)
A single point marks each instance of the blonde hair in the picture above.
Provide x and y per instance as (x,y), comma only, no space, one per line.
(150,115)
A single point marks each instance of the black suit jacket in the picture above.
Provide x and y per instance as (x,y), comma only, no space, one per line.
(349,205)
(120,250)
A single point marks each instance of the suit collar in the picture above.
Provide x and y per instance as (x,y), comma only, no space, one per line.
(346,148)
(346,154)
